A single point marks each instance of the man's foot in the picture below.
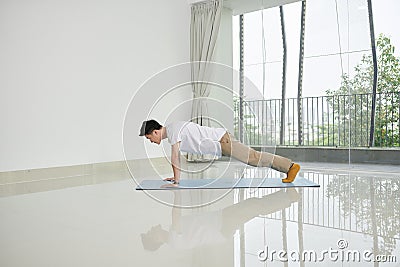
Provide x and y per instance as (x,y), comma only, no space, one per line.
(291,175)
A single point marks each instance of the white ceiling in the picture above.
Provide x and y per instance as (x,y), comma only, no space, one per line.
(245,6)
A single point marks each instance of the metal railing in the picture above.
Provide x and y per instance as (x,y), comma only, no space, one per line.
(335,121)
(347,202)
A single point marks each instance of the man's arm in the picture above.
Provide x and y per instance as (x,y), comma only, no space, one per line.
(176,162)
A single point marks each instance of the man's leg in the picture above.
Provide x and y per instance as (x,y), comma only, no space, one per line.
(232,147)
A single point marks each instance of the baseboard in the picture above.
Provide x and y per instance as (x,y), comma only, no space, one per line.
(45,179)
(337,154)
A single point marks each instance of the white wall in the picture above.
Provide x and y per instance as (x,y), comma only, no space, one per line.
(68,70)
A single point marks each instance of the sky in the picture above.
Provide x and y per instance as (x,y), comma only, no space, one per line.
(328,54)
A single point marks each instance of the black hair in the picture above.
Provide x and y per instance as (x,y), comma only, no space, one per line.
(149,126)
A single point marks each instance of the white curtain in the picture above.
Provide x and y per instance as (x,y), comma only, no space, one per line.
(204,27)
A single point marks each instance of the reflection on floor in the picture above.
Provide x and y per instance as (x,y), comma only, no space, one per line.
(353,218)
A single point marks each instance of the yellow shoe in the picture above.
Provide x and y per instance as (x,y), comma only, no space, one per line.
(291,175)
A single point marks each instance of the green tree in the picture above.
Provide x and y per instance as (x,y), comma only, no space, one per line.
(351,102)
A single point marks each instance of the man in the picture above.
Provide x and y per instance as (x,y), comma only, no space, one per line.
(193,138)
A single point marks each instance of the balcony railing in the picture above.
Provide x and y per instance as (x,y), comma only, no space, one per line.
(335,121)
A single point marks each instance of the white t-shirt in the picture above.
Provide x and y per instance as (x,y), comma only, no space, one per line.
(194,138)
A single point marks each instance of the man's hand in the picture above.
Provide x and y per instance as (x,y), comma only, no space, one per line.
(173,184)
(171,179)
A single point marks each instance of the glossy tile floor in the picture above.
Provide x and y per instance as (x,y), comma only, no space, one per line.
(353,217)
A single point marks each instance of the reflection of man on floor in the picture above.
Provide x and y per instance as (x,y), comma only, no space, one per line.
(187,232)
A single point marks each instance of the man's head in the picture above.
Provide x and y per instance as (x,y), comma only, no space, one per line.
(154,238)
(152,130)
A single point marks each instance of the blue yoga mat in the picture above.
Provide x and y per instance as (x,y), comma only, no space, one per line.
(226,183)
